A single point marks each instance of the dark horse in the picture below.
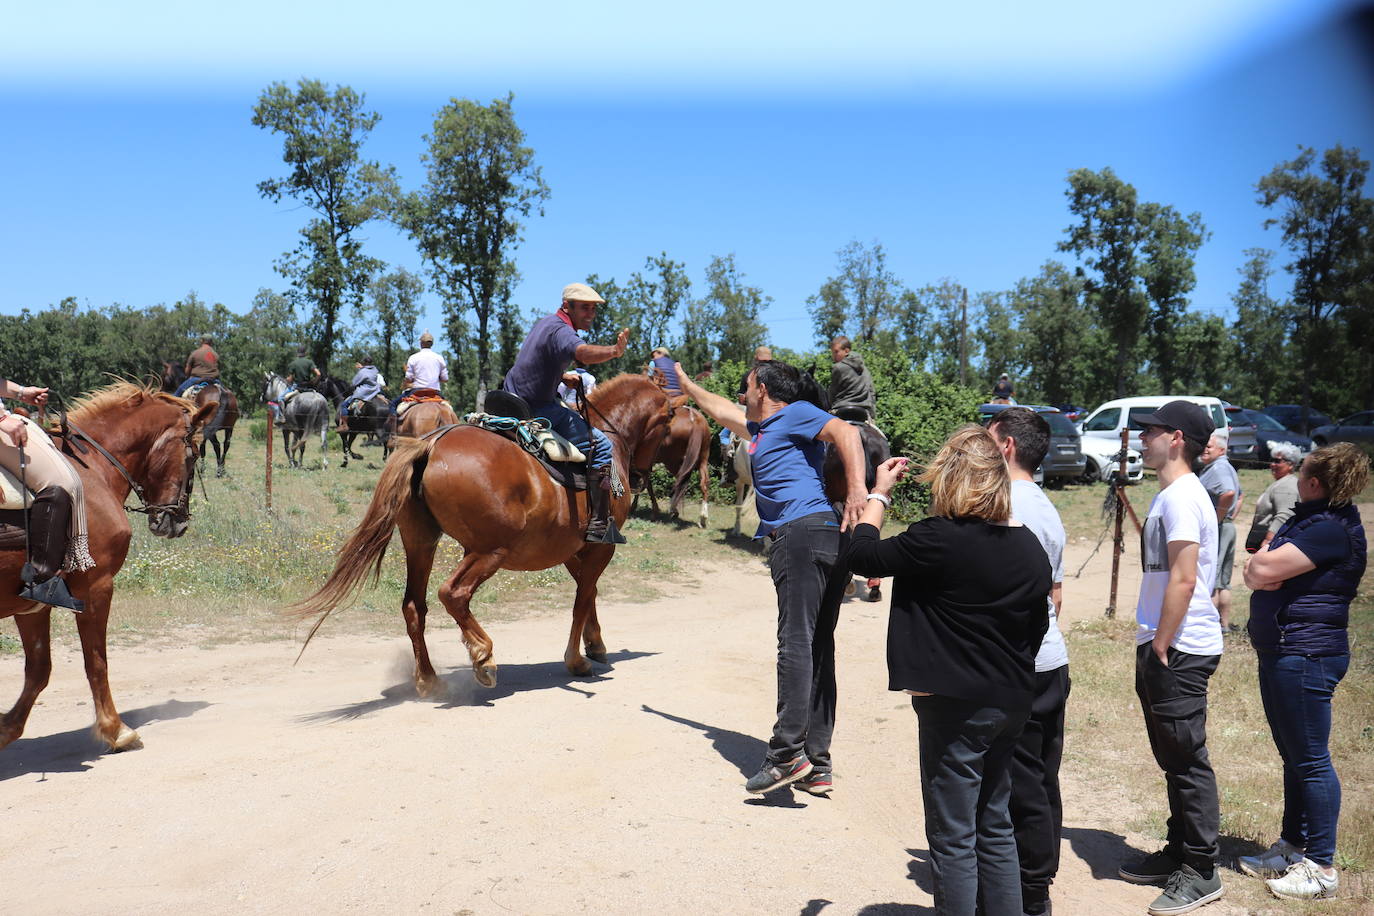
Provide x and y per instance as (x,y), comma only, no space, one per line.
(226,414)
(496,500)
(152,436)
(376,419)
(876,451)
(686,448)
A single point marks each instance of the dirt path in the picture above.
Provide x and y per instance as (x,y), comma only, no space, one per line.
(267,788)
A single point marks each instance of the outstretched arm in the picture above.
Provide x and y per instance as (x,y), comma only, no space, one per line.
(720,409)
(590,354)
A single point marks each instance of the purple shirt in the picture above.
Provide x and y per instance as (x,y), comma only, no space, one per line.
(785,460)
(543,359)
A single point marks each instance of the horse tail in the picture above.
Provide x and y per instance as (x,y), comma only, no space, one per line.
(214,425)
(691,458)
(366,546)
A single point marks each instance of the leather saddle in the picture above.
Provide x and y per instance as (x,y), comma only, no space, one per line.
(572,475)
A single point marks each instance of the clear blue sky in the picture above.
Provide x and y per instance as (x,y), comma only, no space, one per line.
(778,132)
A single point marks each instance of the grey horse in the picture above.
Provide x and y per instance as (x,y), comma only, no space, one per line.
(306,414)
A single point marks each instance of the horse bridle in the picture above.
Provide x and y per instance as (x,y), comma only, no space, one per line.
(180,511)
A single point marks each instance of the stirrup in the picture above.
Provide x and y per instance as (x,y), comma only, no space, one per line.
(52,592)
(611,535)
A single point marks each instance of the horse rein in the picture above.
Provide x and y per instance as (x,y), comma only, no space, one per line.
(73,436)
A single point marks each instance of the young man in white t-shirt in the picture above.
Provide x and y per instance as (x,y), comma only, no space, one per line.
(1178,646)
(1035,805)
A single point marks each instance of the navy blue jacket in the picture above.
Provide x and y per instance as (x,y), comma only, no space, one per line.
(1309,614)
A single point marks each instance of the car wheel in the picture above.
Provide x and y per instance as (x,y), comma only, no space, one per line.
(1318,442)
(1091,472)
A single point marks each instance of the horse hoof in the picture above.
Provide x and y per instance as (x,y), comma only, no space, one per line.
(598,655)
(219,472)
(850,588)
(485,674)
(427,687)
(126,740)
(582,668)
(875,594)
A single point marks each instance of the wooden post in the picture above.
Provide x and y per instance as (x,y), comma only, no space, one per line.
(1117,543)
(270,437)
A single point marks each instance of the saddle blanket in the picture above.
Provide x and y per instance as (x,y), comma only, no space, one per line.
(534,436)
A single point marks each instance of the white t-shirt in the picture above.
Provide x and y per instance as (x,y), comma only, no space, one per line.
(426,369)
(1181,512)
(1032,508)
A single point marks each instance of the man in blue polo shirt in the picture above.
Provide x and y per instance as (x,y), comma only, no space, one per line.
(544,357)
(787,437)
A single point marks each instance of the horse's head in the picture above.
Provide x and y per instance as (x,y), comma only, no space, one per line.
(170,473)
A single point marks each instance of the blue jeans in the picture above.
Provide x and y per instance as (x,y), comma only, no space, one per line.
(591,441)
(190,380)
(966,753)
(1296,691)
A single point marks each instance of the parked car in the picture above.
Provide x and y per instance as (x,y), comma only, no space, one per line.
(1270,432)
(1357,428)
(1064,460)
(1107,421)
(1242,446)
(1290,415)
(1100,459)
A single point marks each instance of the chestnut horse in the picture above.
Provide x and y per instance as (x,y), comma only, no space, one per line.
(425,417)
(686,448)
(496,500)
(226,414)
(154,438)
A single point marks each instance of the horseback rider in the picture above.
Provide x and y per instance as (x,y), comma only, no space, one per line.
(57,511)
(551,345)
(365,387)
(851,385)
(424,369)
(661,364)
(201,366)
(301,374)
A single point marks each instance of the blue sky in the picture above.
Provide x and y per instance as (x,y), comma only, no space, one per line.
(777,132)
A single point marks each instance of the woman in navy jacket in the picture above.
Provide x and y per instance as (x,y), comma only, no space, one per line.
(1299,614)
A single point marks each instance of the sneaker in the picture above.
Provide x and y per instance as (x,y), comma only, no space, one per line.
(1153,869)
(1186,891)
(776,775)
(1303,881)
(817,782)
(1273,862)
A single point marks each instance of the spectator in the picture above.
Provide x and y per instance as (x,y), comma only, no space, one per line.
(1276,504)
(761,355)
(661,365)
(968,614)
(1002,391)
(1299,617)
(1037,810)
(567,388)
(1223,485)
(1178,647)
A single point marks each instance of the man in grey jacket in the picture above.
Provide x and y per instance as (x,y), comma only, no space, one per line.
(851,385)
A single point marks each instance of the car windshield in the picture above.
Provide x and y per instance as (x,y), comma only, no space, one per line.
(1060,424)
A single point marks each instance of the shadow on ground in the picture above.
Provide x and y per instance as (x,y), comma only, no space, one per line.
(462,689)
(74,751)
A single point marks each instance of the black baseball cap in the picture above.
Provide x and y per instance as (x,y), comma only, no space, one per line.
(1184,416)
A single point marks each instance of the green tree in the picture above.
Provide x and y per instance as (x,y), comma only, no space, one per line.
(648,305)
(1259,335)
(860,301)
(997,336)
(949,322)
(1108,240)
(481,181)
(396,307)
(1170,241)
(1058,339)
(733,309)
(323,132)
(1328,226)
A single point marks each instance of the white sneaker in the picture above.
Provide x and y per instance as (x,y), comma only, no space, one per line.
(1274,862)
(1304,881)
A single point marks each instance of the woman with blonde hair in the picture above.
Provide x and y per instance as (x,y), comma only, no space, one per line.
(1299,616)
(968,613)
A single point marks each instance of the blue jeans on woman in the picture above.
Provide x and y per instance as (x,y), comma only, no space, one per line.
(1296,692)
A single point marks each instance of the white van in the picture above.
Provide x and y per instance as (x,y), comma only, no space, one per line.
(1107,421)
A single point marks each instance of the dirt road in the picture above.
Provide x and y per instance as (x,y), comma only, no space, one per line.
(267,788)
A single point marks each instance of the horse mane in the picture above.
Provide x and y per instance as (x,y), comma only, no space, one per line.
(94,403)
(611,388)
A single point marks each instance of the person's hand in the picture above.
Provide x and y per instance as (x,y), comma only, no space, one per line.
(887,474)
(853,507)
(622,340)
(572,379)
(1161,651)
(34,395)
(14,426)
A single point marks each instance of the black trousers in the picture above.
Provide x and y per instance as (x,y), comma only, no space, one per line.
(1037,810)
(1174,700)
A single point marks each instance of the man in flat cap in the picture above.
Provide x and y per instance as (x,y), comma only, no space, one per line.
(551,346)
(1178,646)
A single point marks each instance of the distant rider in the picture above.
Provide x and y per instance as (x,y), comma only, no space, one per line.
(424,369)
(366,386)
(544,357)
(201,366)
(851,385)
(661,365)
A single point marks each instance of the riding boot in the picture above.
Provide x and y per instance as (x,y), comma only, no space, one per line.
(48,517)
(601,527)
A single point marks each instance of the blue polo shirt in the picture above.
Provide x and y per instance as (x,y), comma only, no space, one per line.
(786,461)
(543,359)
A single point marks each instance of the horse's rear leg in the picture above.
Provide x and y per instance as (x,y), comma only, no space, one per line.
(34,633)
(219,455)
(420,536)
(91,626)
(586,568)
(222,458)
(456,594)
(704,475)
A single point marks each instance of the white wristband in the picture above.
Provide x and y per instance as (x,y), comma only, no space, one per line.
(880,498)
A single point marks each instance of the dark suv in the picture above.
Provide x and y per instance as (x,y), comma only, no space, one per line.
(1064,460)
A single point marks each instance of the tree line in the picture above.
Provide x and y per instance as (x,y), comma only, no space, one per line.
(1115,317)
